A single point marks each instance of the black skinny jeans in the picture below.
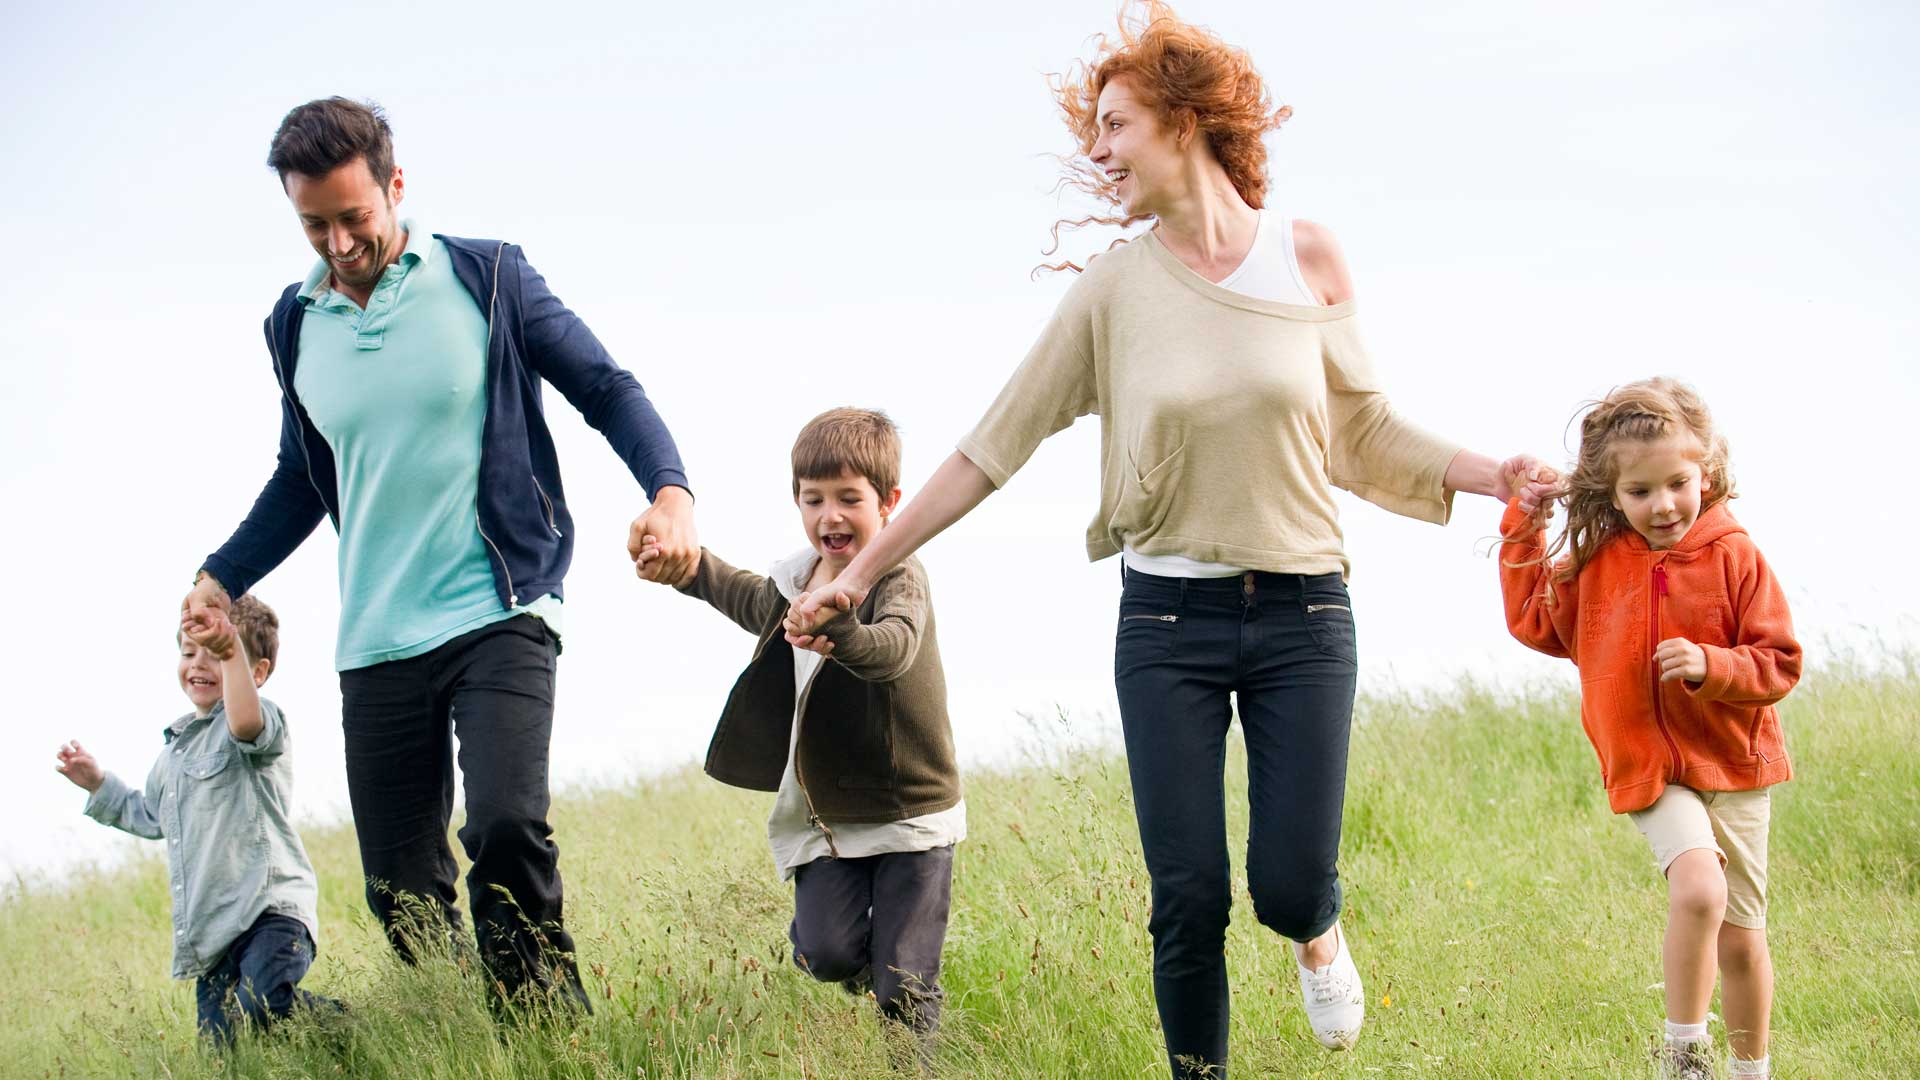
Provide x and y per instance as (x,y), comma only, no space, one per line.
(1282,645)
(493,690)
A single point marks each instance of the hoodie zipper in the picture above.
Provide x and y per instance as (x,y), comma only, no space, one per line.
(1659,714)
(551,523)
(512,597)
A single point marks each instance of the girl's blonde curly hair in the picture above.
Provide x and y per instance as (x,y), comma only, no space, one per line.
(1638,412)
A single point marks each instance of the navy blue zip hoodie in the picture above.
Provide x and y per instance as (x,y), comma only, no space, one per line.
(522,510)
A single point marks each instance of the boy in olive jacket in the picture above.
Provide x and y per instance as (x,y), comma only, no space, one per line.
(850,731)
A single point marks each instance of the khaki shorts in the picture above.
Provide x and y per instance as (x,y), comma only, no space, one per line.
(1732,825)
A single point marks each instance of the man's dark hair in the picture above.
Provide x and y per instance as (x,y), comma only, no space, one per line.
(322,135)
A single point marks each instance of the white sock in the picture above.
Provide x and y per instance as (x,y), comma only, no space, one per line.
(1687,1033)
(1762,1067)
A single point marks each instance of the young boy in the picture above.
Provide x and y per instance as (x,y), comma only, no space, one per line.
(852,733)
(244,895)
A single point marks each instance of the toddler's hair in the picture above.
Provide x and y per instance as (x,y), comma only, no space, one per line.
(259,629)
(863,440)
(1637,412)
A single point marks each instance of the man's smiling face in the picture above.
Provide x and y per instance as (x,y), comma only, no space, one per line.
(349,219)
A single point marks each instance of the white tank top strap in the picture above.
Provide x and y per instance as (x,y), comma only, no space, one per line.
(1271,271)
(1285,227)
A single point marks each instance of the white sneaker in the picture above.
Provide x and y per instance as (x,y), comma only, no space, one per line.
(1336,1005)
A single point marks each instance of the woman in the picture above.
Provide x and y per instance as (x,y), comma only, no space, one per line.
(1221,353)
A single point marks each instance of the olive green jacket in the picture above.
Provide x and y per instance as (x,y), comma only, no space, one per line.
(874,741)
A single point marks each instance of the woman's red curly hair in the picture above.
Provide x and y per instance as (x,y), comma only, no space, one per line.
(1187,73)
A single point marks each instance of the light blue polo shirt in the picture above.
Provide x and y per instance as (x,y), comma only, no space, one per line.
(399,392)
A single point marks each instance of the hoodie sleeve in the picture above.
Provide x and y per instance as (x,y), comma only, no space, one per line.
(1525,578)
(1763,663)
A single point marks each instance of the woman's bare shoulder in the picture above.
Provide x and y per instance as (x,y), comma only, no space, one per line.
(1322,262)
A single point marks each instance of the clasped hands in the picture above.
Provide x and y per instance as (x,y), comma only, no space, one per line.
(662,542)
(814,609)
(203,618)
(1535,483)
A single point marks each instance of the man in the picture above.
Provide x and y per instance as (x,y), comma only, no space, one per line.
(409,367)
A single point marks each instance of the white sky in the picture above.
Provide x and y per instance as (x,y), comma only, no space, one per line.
(766,209)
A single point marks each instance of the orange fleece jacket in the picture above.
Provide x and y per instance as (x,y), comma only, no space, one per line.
(1712,588)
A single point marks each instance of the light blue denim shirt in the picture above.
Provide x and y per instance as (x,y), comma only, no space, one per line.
(224,807)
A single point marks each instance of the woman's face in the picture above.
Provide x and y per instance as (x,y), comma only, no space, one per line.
(1138,153)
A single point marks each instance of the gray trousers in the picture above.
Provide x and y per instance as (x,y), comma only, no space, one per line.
(882,917)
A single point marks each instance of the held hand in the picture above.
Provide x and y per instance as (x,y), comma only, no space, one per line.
(651,551)
(1678,658)
(211,630)
(207,595)
(668,524)
(1522,470)
(812,610)
(1534,483)
(78,766)
(819,643)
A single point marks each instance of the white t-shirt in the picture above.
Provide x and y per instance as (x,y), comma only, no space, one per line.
(1269,272)
(795,840)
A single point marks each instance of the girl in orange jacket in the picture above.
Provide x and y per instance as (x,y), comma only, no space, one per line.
(1684,644)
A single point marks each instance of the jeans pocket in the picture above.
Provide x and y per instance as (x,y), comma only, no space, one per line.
(1147,635)
(1330,623)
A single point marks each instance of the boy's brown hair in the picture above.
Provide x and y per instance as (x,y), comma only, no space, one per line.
(259,629)
(863,440)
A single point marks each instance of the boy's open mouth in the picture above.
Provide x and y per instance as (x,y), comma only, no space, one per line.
(836,542)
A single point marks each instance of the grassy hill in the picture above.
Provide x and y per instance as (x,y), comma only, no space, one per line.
(1505,923)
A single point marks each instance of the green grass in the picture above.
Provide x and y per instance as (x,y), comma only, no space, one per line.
(1505,923)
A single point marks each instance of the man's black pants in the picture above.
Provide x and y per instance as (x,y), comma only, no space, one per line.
(492,690)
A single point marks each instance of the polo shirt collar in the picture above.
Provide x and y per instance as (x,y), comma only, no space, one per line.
(419,249)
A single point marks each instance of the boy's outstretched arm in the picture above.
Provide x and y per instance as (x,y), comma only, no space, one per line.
(751,600)
(77,765)
(109,800)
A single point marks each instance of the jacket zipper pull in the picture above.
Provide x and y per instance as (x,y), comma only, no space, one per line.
(832,848)
(1660,578)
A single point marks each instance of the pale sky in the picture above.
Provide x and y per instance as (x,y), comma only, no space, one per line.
(765,209)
